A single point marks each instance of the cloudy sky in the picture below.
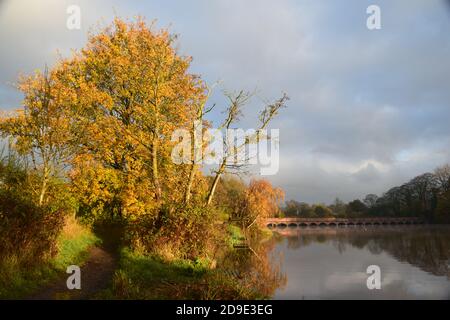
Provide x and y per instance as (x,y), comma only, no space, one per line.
(368,109)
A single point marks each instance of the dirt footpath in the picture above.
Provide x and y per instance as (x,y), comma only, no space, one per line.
(96,275)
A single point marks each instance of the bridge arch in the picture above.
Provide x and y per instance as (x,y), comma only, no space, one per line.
(303,224)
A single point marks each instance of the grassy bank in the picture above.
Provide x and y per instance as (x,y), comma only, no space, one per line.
(142,276)
(19,279)
(150,277)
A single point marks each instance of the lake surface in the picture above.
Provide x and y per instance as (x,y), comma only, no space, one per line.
(331,263)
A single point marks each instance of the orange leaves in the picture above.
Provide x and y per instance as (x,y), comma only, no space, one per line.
(129,90)
(42,130)
(42,126)
(261,200)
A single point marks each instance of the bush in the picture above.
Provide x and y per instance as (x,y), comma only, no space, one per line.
(20,277)
(27,231)
(176,232)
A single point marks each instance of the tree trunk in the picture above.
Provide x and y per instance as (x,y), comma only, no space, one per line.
(187,195)
(155,161)
(196,134)
(215,183)
(155,170)
(43,187)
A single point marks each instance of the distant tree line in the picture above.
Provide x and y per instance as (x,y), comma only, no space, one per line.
(427,196)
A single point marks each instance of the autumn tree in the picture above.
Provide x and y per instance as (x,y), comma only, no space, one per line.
(229,195)
(233,115)
(197,142)
(261,200)
(40,131)
(130,91)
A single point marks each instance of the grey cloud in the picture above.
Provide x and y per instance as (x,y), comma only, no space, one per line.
(368,109)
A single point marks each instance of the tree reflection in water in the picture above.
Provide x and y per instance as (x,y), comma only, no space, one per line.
(258,268)
(426,247)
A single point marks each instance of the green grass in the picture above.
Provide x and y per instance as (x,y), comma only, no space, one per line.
(153,278)
(19,279)
(150,277)
(236,235)
(73,248)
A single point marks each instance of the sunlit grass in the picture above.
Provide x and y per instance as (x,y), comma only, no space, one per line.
(236,234)
(19,279)
(73,244)
(150,277)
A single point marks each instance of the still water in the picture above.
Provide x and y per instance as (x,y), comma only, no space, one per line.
(331,263)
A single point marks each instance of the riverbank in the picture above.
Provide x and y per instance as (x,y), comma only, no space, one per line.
(141,276)
(151,277)
(125,274)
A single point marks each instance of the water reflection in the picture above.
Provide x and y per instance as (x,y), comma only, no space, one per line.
(331,263)
(257,268)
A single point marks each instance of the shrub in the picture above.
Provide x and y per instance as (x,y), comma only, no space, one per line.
(27,230)
(176,232)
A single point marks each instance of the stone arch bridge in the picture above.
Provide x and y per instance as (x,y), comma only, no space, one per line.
(340,222)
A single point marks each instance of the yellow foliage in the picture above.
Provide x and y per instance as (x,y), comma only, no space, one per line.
(129,90)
